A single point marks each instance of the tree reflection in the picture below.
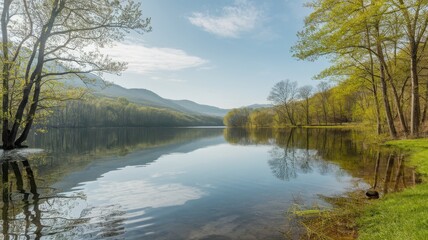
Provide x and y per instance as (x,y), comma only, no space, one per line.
(31,217)
(283,163)
(299,151)
(27,213)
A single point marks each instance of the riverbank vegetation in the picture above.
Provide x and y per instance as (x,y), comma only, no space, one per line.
(341,216)
(378,80)
(378,55)
(402,215)
(378,68)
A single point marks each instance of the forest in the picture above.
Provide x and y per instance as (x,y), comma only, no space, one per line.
(119,112)
(378,73)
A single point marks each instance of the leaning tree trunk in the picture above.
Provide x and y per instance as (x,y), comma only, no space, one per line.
(373,82)
(34,79)
(389,118)
(31,114)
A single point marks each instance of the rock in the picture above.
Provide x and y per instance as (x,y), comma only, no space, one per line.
(372,194)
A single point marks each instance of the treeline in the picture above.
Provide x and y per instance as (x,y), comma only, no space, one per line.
(297,106)
(379,66)
(380,48)
(119,112)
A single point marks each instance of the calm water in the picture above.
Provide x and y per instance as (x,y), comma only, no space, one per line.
(192,183)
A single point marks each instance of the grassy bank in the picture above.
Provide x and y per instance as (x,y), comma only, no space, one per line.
(401,215)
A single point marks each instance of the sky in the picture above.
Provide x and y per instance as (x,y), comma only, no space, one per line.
(224,53)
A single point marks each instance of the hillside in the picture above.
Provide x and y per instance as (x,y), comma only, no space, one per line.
(118,112)
(200,108)
(145,97)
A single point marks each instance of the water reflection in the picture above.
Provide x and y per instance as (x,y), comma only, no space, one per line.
(28,195)
(183,183)
(30,214)
(302,151)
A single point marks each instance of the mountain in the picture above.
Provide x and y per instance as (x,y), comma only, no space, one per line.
(145,97)
(257,106)
(200,108)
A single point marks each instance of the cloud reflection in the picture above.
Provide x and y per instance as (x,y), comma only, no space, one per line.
(137,194)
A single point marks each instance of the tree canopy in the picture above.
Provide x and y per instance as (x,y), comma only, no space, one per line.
(45,41)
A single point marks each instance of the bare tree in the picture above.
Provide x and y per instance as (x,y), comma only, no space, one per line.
(283,95)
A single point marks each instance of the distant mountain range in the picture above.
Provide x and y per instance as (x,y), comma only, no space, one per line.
(148,98)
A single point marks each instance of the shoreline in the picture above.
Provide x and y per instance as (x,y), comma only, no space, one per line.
(397,215)
(401,215)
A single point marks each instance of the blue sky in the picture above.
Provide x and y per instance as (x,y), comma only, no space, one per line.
(226,53)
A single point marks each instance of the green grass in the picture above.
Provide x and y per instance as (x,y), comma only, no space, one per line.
(401,215)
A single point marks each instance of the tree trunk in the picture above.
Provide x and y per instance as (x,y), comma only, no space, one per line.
(399,107)
(415,107)
(290,115)
(35,78)
(307,111)
(424,114)
(5,75)
(378,120)
(373,82)
(31,114)
(389,118)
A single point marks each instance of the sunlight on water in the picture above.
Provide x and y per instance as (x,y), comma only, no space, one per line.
(177,183)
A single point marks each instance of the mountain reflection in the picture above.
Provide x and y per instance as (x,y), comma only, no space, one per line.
(136,183)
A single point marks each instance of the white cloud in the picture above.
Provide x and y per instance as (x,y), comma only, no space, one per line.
(144,60)
(232,20)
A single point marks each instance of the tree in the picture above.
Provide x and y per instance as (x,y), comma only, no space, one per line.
(414,14)
(45,41)
(237,118)
(305,94)
(261,118)
(324,94)
(283,95)
(356,33)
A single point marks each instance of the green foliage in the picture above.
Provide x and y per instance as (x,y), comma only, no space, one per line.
(107,112)
(237,118)
(261,118)
(372,43)
(44,42)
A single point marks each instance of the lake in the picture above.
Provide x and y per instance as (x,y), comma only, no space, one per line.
(183,183)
